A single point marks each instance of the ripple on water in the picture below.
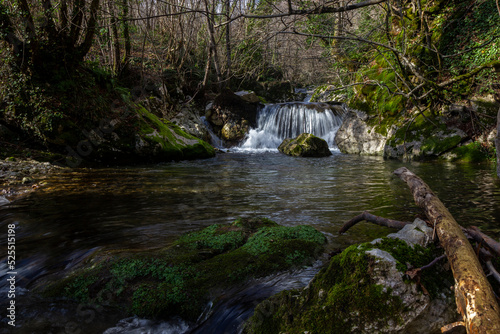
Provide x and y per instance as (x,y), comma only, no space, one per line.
(146,207)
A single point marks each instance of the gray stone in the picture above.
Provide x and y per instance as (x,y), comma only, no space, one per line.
(417,233)
(248,96)
(355,136)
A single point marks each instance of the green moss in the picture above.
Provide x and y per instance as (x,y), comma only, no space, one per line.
(343,297)
(473,152)
(175,143)
(266,239)
(80,287)
(327,306)
(436,145)
(215,237)
(178,279)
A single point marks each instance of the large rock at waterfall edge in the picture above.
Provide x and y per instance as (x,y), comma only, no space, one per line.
(365,290)
(305,145)
(428,136)
(355,136)
(231,116)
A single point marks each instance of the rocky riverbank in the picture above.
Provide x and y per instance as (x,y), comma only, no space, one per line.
(19,177)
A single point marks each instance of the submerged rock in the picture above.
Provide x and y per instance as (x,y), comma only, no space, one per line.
(305,145)
(181,278)
(365,290)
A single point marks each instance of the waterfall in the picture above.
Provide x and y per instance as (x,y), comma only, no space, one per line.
(277,122)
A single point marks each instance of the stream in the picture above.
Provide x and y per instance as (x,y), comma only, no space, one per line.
(147,207)
(79,212)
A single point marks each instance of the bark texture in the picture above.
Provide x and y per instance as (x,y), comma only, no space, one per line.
(497,141)
(474,296)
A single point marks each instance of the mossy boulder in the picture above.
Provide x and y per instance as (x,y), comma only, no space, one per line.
(135,136)
(181,278)
(365,290)
(426,137)
(305,145)
(472,152)
(166,140)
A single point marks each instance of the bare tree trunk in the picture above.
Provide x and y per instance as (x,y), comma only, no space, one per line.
(497,143)
(213,44)
(474,296)
(116,41)
(228,39)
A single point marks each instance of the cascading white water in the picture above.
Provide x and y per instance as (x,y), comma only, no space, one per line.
(277,122)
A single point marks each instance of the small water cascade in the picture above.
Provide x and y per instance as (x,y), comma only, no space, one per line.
(277,122)
(214,140)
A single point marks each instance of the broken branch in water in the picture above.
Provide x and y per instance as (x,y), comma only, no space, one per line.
(372,219)
(493,271)
(491,244)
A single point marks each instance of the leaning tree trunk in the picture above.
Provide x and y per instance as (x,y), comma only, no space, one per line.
(473,294)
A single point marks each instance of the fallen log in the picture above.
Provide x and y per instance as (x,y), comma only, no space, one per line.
(474,296)
(372,219)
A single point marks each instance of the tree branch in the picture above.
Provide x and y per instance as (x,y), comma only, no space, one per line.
(494,64)
(372,219)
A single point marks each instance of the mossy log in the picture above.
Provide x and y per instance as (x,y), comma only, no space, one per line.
(473,294)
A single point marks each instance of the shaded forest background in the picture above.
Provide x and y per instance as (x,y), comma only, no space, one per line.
(67,64)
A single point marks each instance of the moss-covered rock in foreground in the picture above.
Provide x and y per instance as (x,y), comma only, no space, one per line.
(365,290)
(177,280)
(305,145)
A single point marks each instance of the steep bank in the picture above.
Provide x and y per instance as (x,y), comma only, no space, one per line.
(427,82)
(89,117)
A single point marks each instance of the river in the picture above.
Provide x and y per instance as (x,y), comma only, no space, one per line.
(81,211)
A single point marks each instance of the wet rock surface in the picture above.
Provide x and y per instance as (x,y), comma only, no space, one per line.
(21,176)
(305,145)
(367,289)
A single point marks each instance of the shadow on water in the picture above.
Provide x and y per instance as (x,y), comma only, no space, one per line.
(79,212)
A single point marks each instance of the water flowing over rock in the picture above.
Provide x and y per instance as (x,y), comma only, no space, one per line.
(278,122)
(305,145)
